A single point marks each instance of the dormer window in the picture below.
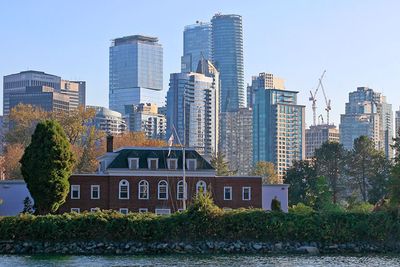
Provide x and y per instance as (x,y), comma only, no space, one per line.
(191,164)
(152,163)
(133,163)
(172,164)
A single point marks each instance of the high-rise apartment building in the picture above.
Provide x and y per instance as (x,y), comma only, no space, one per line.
(263,80)
(227,56)
(76,90)
(278,128)
(136,72)
(397,123)
(193,108)
(236,141)
(367,113)
(146,118)
(17,83)
(45,97)
(319,134)
(196,45)
(109,121)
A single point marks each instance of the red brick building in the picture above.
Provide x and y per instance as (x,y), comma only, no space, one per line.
(147,179)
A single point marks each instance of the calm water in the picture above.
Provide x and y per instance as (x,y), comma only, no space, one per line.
(218,260)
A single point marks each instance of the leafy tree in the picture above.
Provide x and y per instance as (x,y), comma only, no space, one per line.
(330,162)
(302,177)
(300,208)
(267,171)
(47,165)
(28,207)
(136,139)
(219,163)
(362,164)
(394,187)
(323,195)
(379,181)
(10,162)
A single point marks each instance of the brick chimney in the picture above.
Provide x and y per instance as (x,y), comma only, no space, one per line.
(110,143)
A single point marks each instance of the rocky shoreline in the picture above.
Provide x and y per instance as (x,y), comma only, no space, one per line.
(200,247)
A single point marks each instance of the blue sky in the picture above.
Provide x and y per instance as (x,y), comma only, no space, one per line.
(357,42)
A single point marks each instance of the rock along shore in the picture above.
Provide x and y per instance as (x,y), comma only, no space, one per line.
(200,247)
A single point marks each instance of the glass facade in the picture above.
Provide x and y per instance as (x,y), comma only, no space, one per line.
(136,72)
(227,55)
(196,44)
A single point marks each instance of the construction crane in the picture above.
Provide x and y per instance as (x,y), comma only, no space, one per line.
(313,99)
(327,101)
(322,119)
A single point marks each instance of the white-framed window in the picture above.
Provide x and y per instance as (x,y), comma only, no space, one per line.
(95,209)
(123,189)
(201,186)
(162,189)
(152,163)
(95,191)
(102,166)
(124,210)
(143,190)
(246,193)
(133,163)
(77,210)
(191,164)
(180,190)
(143,210)
(163,211)
(227,192)
(75,191)
(172,164)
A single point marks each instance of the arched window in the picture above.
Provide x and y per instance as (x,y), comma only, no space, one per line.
(201,186)
(180,190)
(143,192)
(123,189)
(163,190)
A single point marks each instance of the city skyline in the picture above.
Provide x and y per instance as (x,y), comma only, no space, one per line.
(300,40)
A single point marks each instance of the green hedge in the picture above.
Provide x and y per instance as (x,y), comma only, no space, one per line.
(186,226)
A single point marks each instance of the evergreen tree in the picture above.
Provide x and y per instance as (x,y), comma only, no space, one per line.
(28,207)
(267,171)
(275,204)
(219,163)
(47,165)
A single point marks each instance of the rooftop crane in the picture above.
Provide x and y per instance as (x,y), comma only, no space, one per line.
(327,101)
(313,98)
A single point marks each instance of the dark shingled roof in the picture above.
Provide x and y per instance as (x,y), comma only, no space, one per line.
(121,161)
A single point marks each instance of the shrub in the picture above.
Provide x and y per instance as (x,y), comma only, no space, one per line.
(361,207)
(300,208)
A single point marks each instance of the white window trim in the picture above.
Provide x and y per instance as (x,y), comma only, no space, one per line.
(197,186)
(148,189)
(122,210)
(143,210)
(177,190)
(94,209)
(191,160)
(230,190)
(77,210)
(130,160)
(166,191)
(91,191)
(168,211)
(102,170)
(243,188)
(169,163)
(149,163)
(79,191)
(119,189)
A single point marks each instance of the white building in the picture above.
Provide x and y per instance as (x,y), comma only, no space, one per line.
(108,120)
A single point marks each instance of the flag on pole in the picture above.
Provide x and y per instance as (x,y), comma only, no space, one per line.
(170,143)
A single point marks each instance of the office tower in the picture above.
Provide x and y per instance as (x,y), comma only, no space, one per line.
(367,113)
(18,82)
(278,128)
(193,108)
(397,123)
(196,45)
(146,118)
(76,92)
(227,56)
(136,72)
(109,121)
(236,140)
(263,80)
(319,134)
(45,97)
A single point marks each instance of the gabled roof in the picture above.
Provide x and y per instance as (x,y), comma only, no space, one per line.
(121,160)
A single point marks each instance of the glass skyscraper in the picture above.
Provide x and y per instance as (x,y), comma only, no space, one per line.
(136,72)
(227,56)
(196,44)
